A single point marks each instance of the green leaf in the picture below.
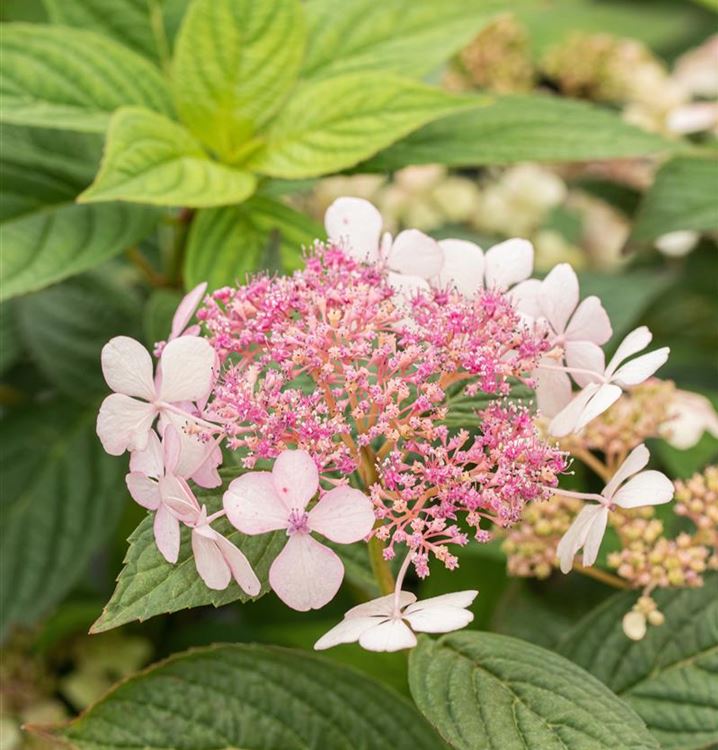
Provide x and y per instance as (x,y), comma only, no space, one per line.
(66,326)
(150,159)
(45,236)
(68,78)
(148,585)
(10,346)
(158,314)
(681,197)
(144,25)
(670,677)
(235,62)
(410,37)
(332,124)
(61,497)
(246,696)
(510,129)
(484,691)
(224,244)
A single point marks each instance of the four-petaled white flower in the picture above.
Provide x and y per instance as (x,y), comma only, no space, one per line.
(577,331)
(306,574)
(469,270)
(606,383)
(587,530)
(410,259)
(390,622)
(185,373)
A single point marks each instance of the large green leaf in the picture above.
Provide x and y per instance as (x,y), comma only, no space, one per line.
(334,123)
(681,197)
(61,497)
(225,244)
(68,78)
(10,346)
(510,129)
(484,691)
(150,159)
(146,26)
(410,37)
(670,677)
(148,585)
(235,61)
(45,236)
(65,327)
(245,696)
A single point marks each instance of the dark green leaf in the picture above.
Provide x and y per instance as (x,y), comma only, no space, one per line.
(10,346)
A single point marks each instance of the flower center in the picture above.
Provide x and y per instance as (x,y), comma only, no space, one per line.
(298,523)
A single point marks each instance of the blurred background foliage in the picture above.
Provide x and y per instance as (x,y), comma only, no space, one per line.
(592,131)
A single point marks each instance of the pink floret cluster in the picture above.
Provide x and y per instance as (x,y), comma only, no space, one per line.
(334,362)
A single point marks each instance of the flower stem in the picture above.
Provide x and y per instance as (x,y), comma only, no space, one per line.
(593,463)
(603,576)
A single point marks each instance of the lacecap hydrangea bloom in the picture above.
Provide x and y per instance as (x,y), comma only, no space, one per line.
(335,388)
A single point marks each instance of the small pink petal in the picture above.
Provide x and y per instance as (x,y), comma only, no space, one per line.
(144,491)
(647,488)
(508,263)
(186,309)
(636,460)
(553,391)
(606,395)
(392,635)
(239,565)
(167,534)
(124,423)
(565,421)
(572,541)
(206,475)
(383,606)
(559,296)
(347,631)
(441,619)
(127,367)
(187,369)
(590,322)
(171,447)
(344,515)
(178,497)
(463,266)
(414,253)
(526,298)
(407,287)
(585,355)
(306,574)
(461,599)
(209,561)
(634,342)
(641,368)
(253,505)
(355,225)
(149,461)
(594,537)
(296,478)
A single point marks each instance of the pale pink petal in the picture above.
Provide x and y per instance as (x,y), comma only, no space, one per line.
(171,447)
(143,490)
(186,308)
(124,423)
(356,225)
(127,367)
(209,561)
(187,368)
(150,460)
(553,390)
(460,599)
(441,619)
(306,574)
(407,287)
(344,515)
(167,534)
(572,541)
(559,296)
(206,475)
(526,298)
(383,606)
(635,341)
(590,322)
(605,396)
(585,355)
(177,496)
(347,631)
(463,266)
(414,253)
(392,635)
(565,421)
(253,505)
(239,565)
(689,416)
(296,478)
(508,263)
(194,451)
(647,488)
(594,537)
(632,464)
(641,368)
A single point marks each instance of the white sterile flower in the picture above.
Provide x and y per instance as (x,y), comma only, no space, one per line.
(467,268)
(587,530)
(677,244)
(689,416)
(577,332)
(410,258)
(606,383)
(390,622)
